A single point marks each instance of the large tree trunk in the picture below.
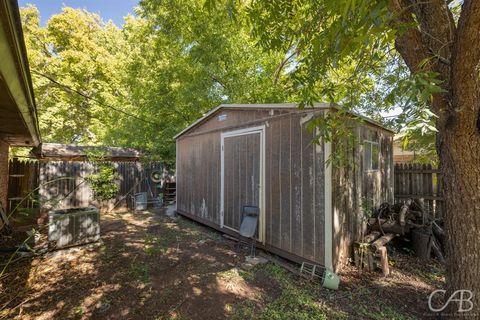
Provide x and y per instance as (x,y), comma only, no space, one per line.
(459,152)
(458,145)
(453,51)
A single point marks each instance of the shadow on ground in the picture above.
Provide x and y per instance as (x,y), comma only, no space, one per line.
(151,267)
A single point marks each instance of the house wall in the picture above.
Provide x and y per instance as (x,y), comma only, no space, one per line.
(353,187)
(401,155)
(3,172)
(294,177)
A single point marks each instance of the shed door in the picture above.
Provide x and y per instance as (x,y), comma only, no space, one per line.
(242,154)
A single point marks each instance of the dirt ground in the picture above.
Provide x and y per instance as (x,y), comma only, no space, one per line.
(149,266)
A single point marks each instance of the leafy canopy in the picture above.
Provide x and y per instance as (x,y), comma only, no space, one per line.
(344,52)
(140,84)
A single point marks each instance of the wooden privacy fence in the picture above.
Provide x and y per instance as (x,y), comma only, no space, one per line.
(421,182)
(22,180)
(62,184)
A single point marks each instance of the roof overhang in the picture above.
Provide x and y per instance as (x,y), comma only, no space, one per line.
(18,117)
(292,106)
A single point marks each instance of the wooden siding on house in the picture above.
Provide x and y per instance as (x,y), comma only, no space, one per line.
(198,176)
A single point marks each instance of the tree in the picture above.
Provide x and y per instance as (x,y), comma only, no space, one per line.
(139,85)
(82,52)
(185,60)
(439,44)
(104,182)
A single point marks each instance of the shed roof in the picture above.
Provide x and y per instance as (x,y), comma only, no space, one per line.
(292,106)
(58,151)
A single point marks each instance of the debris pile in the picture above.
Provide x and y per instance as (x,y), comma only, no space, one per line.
(407,220)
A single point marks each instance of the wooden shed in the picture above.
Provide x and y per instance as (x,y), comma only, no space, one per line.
(264,155)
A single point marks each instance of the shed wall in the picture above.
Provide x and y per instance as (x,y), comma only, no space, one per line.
(354,187)
(294,177)
(228,119)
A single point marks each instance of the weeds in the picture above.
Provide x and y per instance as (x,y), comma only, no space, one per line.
(78,311)
(160,244)
(141,272)
(386,313)
(294,302)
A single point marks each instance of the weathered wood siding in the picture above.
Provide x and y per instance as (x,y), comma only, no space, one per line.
(355,188)
(22,182)
(198,176)
(63,184)
(294,177)
(233,118)
(242,176)
(295,187)
(4,148)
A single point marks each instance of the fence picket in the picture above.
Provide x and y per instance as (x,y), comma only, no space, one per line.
(420,182)
(132,179)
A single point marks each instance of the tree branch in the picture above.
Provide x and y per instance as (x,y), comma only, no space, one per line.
(467,41)
(280,67)
(425,39)
(465,63)
(437,27)
(409,39)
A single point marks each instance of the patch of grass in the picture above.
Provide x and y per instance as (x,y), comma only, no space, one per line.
(294,302)
(246,275)
(302,300)
(160,244)
(245,310)
(386,313)
(429,274)
(186,223)
(290,305)
(230,278)
(228,274)
(278,273)
(213,235)
(141,272)
(433,273)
